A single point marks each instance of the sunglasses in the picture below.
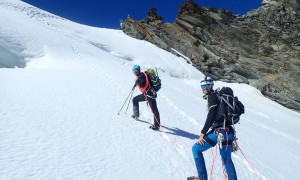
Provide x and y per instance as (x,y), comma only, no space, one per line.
(206,86)
(134,71)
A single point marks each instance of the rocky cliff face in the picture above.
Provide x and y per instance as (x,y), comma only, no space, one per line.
(261,48)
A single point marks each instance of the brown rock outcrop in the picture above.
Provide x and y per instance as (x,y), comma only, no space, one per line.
(261,48)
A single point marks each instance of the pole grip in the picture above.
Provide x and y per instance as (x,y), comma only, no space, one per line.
(134,86)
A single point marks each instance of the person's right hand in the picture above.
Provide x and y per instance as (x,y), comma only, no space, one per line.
(201,139)
(134,86)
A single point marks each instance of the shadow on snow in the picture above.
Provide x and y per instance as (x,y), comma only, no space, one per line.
(175,131)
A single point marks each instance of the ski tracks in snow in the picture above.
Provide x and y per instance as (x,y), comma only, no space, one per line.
(95,66)
(176,109)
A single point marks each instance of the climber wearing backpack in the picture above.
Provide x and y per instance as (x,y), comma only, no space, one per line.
(220,134)
(148,94)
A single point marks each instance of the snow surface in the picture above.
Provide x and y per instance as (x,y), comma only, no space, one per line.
(59,115)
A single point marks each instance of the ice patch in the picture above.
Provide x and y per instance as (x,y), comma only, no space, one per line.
(9,59)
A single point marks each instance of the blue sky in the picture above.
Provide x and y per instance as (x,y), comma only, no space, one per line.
(107,14)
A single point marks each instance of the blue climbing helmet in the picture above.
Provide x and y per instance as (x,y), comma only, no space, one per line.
(136,67)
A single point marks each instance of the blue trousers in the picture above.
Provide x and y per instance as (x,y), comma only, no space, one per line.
(225,152)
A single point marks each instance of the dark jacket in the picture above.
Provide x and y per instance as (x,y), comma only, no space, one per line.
(212,105)
(141,81)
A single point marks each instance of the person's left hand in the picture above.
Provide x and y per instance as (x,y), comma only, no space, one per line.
(201,139)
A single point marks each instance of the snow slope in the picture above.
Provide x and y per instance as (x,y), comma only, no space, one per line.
(59,115)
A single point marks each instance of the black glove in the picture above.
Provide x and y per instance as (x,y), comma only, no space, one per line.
(134,86)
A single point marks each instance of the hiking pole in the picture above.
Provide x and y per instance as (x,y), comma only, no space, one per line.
(129,101)
(131,92)
(156,71)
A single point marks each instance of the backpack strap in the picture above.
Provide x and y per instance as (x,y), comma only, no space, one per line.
(147,86)
(227,101)
(229,106)
(233,108)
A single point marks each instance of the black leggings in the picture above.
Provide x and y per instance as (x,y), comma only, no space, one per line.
(152,104)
